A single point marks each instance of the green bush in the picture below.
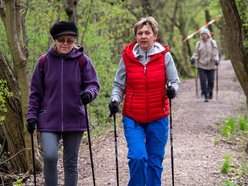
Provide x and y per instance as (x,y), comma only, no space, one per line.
(3,94)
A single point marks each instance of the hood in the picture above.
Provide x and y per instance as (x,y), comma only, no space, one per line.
(133,50)
(76,52)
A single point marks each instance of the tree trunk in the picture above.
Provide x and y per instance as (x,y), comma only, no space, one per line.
(184,66)
(147,8)
(12,22)
(208,18)
(12,130)
(234,40)
(71,10)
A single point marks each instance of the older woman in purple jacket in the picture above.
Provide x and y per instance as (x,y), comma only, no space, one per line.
(63,82)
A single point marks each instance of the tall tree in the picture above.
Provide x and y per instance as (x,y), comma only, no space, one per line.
(147,8)
(12,130)
(71,10)
(13,21)
(234,40)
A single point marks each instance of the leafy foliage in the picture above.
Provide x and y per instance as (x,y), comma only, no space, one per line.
(243,10)
(4,92)
(104,28)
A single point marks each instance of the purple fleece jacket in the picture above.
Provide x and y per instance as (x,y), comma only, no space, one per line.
(54,93)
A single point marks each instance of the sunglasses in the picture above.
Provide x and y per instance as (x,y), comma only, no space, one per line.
(64,40)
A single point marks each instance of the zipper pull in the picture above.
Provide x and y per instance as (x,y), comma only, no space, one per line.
(144,69)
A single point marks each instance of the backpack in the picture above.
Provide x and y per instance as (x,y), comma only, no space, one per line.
(43,60)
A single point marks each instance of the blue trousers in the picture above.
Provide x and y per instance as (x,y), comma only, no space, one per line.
(71,144)
(146,149)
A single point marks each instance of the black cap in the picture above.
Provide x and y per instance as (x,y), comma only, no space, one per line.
(63,28)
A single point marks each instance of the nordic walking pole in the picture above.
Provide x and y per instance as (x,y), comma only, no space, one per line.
(91,156)
(171,142)
(116,152)
(196,83)
(34,171)
(217,83)
(195,70)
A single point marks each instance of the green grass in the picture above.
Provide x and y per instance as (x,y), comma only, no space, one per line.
(243,123)
(228,183)
(226,166)
(234,132)
(228,127)
(244,167)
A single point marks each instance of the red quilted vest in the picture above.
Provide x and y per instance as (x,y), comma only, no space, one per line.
(145,98)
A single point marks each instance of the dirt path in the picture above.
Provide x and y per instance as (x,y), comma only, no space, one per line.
(197,159)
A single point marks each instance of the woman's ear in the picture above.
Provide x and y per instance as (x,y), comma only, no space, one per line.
(156,36)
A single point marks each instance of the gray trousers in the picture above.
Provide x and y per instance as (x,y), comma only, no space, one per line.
(71,143)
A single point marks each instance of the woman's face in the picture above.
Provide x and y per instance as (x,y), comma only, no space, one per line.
(204,36)
(64,44)
(145,37)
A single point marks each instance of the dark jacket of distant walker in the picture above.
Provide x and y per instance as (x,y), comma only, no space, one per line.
(54,97)
(206,54)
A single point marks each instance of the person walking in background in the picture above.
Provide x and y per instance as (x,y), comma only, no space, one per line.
(63,82)
(206,58)
(145,69)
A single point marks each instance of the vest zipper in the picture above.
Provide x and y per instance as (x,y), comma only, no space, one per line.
(147,117)
(145,62)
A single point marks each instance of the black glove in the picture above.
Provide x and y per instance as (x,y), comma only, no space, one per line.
(170,91)
(113,107)
(31,124)
(192,61)
(85,97)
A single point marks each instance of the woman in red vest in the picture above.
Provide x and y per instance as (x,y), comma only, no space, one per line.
(145,69)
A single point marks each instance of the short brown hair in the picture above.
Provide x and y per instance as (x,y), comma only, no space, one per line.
(146,21)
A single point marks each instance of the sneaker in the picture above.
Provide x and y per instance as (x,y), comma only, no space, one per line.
(206,98)
(211,95)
